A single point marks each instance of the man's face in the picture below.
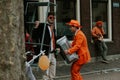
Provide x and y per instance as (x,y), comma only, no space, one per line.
(37,23)
(72,28)
(51,19)
(99,25)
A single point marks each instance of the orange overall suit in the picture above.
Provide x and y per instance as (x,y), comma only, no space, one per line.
(80,46)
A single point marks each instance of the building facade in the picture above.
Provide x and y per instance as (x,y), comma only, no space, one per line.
(87,12)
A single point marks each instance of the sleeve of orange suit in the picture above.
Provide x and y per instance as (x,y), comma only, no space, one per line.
(76,44)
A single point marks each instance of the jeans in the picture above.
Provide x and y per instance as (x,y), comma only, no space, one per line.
(102,48)
(29,72)
(51,71)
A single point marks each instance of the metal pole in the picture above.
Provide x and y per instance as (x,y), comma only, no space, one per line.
(44,29)
(41,52)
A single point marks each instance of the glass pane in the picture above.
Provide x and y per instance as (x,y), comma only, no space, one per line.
(66,10)
(99,12)
(30,15)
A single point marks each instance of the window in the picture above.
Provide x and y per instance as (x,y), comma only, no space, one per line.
(101,10)
(66,10)
(30,15)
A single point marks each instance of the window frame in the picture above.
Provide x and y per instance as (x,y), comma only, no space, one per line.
(109,13)
(77,17)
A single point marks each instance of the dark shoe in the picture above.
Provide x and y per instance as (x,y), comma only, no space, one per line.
(105,61)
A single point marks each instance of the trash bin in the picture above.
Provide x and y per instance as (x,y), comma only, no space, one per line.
(64,44)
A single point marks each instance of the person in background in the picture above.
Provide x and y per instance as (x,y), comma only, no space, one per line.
(49,43)
(29,55)
(28,47)
(80,46)
(98,36)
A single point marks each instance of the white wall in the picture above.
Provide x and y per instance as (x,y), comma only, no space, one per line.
(42,11)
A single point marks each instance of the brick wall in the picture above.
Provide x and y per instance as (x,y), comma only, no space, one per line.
(113,47)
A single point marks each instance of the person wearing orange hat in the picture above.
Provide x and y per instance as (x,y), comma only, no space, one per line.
(97,36)
(80,46)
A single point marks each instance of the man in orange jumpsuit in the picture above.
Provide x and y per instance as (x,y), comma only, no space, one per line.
(97,36)
(80,46)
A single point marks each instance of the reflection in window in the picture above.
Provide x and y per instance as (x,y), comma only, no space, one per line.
(66,10)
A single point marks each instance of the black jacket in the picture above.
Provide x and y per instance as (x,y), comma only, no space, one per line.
(37,35)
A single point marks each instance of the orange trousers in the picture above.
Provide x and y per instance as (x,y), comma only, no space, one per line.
(75,71)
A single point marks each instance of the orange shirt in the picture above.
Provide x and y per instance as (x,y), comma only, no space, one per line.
(97,31)
(80,46)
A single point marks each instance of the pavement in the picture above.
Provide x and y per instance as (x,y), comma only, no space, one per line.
(96,70)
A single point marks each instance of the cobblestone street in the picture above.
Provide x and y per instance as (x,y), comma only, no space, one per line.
(91,71)
(107,74)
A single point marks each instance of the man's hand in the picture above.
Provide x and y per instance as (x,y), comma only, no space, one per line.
(100,38)
(66,51)
(58,50)
(36,24)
